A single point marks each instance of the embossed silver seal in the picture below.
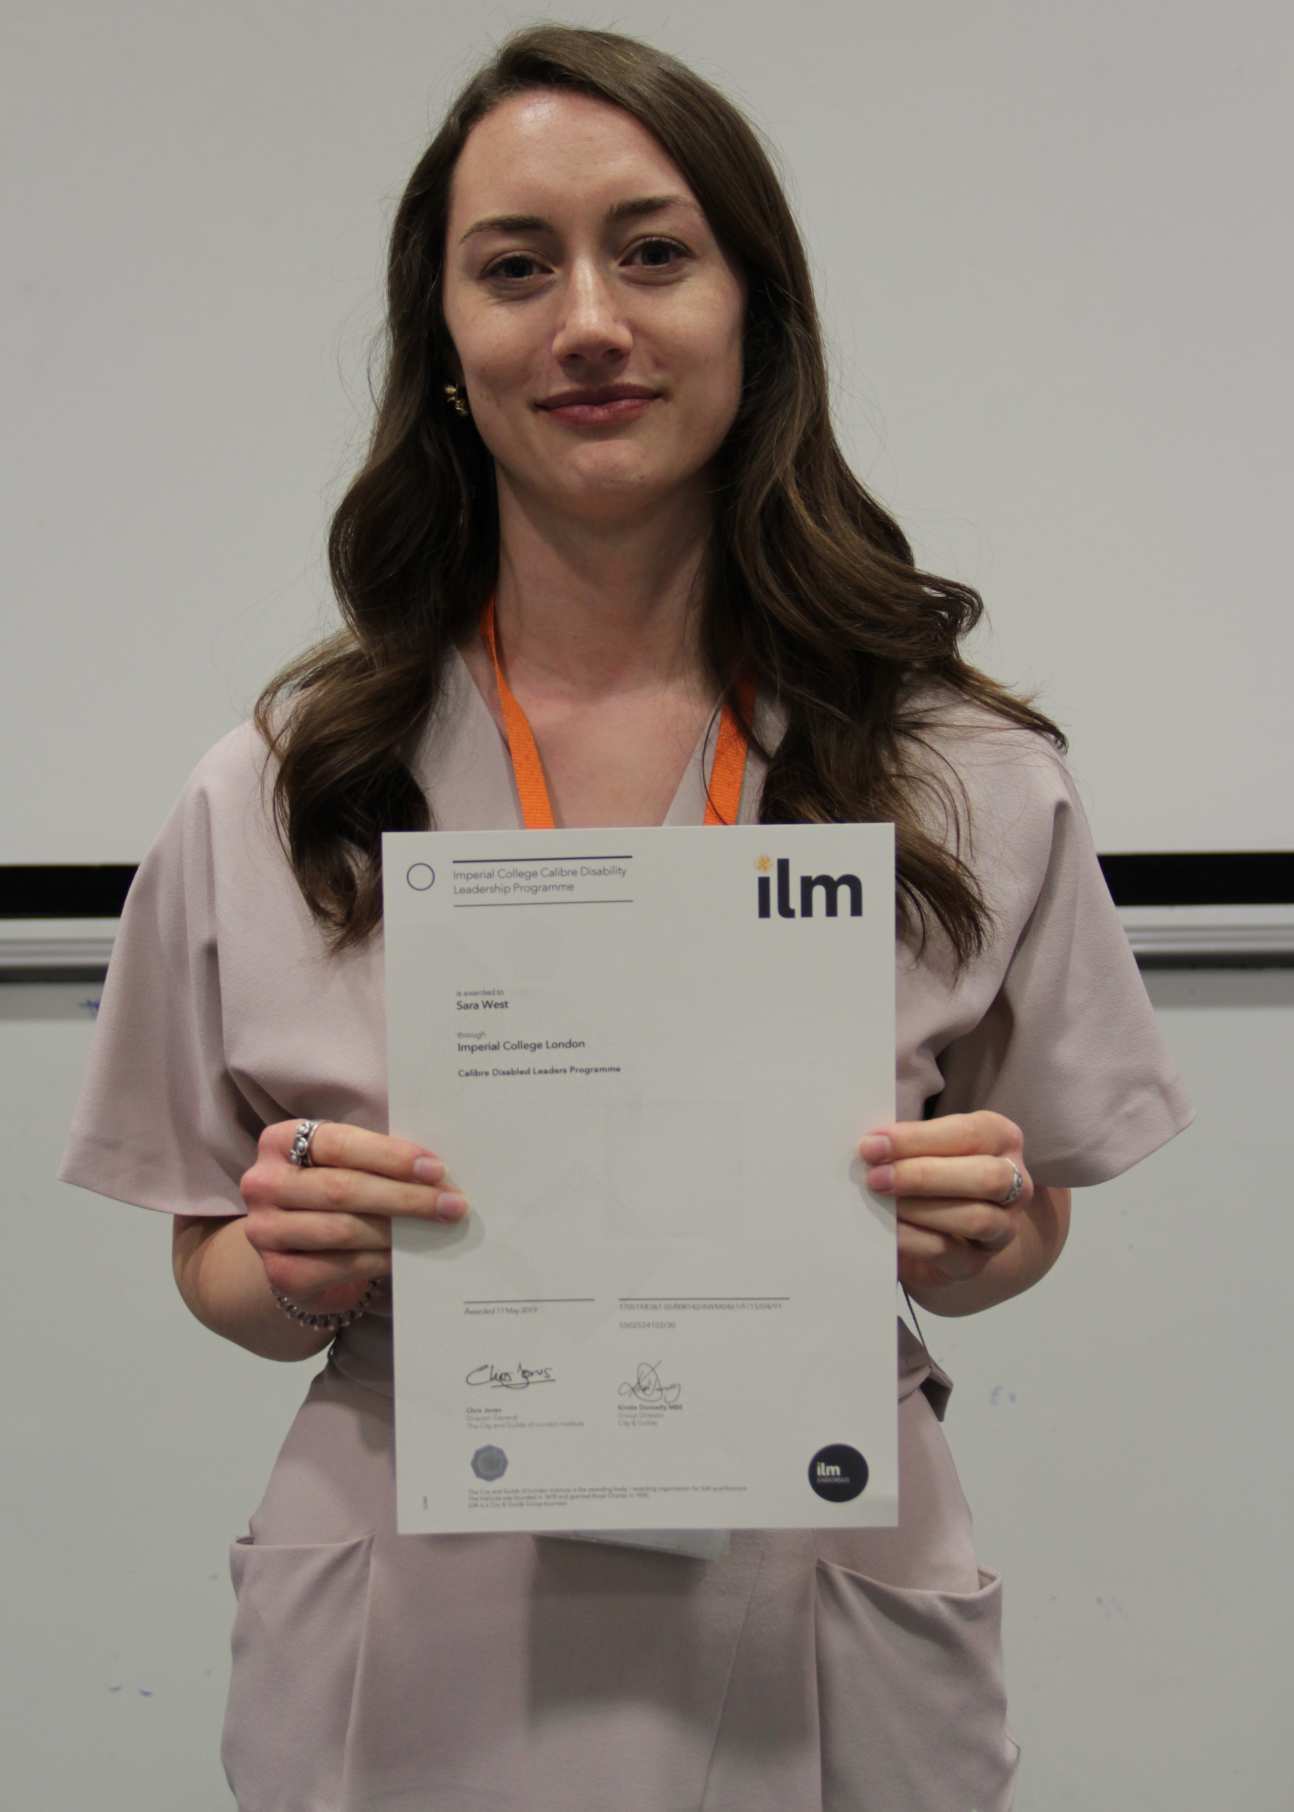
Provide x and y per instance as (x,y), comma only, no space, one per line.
(489,1463)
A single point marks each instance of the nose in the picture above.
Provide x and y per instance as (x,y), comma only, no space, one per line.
(591,323)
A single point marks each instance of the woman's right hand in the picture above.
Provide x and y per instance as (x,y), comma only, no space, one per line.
(323,1232)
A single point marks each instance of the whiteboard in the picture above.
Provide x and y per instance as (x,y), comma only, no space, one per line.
(1054,279)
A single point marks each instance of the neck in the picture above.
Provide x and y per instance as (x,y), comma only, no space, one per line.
(591,610)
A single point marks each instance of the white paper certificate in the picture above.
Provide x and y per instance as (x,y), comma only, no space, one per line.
(646,1057)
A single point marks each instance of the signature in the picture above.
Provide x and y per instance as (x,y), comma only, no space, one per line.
(647,1388)
(520,1379)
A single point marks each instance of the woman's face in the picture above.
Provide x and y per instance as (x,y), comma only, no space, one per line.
(579,299)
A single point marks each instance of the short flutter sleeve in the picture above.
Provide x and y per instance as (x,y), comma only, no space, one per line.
(1053,1027)
(161,1121)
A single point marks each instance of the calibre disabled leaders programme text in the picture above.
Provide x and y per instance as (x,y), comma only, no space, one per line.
(565,1069)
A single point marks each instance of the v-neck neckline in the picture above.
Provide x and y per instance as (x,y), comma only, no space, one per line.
(687,807)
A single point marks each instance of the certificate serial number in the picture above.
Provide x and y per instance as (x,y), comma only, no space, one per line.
(649,1324)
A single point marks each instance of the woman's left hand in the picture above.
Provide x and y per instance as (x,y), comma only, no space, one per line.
(949,1176)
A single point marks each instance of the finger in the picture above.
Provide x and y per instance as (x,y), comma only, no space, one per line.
(336,1145)
(273,1229)
(978,1179)
(274,1183)
(302,1276)
(928,1258)
(954,1256)
(975,1223)
(945,1136)
(347,1171)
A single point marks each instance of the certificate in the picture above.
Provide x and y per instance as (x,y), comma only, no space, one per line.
(646,1057)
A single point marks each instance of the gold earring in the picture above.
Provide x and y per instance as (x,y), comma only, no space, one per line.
(455,396)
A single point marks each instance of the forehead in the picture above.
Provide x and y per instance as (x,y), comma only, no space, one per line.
(558,147)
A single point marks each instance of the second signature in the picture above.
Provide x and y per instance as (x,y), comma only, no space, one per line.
(647,1388)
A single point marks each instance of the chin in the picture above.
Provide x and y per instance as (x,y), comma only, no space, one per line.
(618,502)
(599,486)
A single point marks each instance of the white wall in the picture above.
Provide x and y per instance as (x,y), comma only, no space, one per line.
(1122,1435)
(1050,247)
(1119,1431)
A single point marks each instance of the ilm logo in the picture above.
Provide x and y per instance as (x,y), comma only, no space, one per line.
(838,1473)
(827,887)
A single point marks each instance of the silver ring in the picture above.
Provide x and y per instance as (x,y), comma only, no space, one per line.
(1016,1190)
(300,1152)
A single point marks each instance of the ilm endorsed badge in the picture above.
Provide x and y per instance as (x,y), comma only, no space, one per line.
(838,1473)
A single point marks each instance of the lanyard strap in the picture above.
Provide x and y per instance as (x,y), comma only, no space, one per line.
(723,796)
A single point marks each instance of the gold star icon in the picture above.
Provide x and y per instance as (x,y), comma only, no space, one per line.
(763,864)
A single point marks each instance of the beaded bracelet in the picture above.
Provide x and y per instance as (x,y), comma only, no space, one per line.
(342,1319)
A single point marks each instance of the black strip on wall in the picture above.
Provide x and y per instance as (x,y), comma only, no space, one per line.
(1256,879)
(96,891)
(68,891)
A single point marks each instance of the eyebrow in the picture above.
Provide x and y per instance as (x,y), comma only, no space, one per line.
(636,208)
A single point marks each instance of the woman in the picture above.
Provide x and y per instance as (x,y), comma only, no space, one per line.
(594,224)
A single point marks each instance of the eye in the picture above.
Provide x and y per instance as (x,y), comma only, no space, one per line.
(667,245)
(495,272)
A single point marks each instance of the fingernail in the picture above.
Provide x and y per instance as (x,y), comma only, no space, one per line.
(428,1170)
(451,1207)
(882,1180)
(875,1147)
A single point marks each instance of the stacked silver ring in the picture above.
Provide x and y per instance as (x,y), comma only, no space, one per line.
(1016,1190)
(300,1152)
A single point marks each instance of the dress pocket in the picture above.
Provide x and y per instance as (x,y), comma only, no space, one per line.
(911,1697)
(296,1643)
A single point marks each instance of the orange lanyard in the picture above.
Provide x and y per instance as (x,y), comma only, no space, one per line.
(723,796)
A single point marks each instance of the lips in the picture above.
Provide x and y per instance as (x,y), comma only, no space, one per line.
(600,415)
(606,393)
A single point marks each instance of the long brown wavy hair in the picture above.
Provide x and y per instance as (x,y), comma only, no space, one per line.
(812,587)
